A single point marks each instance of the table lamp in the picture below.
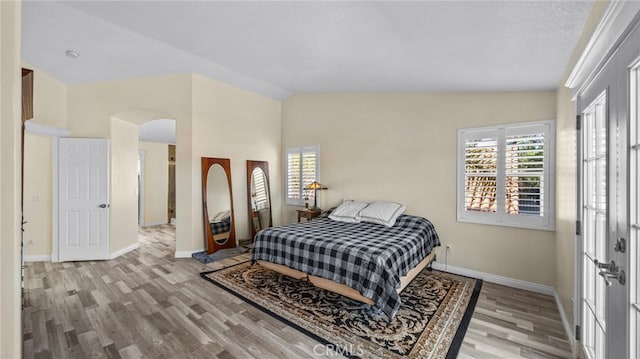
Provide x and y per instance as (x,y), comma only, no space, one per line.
(315,186)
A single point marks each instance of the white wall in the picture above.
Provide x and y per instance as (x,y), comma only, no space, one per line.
(156,182)
(10,121)
(402,147)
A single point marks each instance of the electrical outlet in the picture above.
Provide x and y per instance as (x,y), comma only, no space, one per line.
(449,248)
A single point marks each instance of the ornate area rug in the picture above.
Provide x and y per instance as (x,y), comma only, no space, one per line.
(431,323)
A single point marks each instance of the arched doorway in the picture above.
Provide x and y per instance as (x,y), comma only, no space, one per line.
(147,159)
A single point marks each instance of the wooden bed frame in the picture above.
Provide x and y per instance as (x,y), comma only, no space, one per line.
(341,288)
(219,236)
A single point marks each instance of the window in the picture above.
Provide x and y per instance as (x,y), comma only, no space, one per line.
(260,199)
(302,168)
(505,175)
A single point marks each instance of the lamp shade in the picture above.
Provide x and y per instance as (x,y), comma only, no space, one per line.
(315,185)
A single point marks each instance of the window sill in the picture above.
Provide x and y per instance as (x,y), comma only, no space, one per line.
(550,228)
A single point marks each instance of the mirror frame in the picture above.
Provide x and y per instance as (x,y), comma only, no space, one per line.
(212,245)
(264,166)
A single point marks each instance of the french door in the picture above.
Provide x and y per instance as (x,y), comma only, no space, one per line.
(634,211)
(609,207)
(595,210)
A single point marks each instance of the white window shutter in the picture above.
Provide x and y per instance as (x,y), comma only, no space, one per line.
(524,166)
(260,190)
(302,169)
(481,166)
(293,174)
(505,175)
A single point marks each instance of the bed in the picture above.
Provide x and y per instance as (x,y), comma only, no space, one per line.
(221,228)
(364,261)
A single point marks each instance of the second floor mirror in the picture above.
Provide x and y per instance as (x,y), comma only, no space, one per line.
(259,193)
(217,204)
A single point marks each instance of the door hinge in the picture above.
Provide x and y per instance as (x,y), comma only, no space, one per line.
(578,228)
(578,122)
(578,333)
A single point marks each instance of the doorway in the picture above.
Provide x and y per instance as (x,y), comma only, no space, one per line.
(156,189)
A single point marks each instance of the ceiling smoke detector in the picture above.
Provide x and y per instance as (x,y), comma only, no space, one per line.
(72,54)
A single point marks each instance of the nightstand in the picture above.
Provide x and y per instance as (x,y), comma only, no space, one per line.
(308,213)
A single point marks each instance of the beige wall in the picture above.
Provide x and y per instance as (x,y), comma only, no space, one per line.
(10,117)
(90,107)
(123,152)
(402,147)
(239,125)
(566,173)
(134,100)
(156,182)
(38,211)
(225,122)
(49,108)
(49,99)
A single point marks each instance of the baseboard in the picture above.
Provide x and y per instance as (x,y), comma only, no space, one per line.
(124,250)
(516,283)
(187,254)
(151,224)
(565,322)
(498,279)
(38,258)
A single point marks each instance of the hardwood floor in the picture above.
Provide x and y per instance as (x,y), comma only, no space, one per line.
(149,304)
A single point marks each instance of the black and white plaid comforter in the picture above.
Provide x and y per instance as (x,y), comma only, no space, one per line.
(221,226)
(368,257)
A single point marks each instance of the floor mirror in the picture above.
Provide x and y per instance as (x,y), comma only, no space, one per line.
(217,204)
(259,196)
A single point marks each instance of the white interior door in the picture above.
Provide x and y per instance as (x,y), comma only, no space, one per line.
(83,190)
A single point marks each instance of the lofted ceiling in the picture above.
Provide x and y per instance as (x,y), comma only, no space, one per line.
(281,48)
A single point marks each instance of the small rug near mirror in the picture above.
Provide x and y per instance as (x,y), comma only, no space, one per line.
(205,258)
(431,323)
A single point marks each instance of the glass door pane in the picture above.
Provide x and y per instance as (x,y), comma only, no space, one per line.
(634,196)
(594,216)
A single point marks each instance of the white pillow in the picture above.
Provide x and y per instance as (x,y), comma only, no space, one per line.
(221,215)
(384,213)
(348,211)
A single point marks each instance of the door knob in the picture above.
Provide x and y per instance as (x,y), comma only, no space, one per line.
(606,277)
(610,271)
(618,275)
(607,266)
(104,205)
